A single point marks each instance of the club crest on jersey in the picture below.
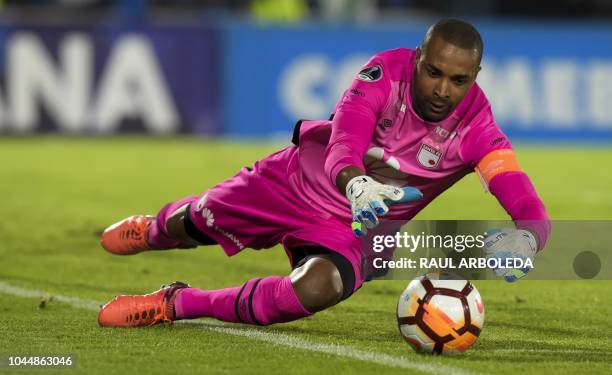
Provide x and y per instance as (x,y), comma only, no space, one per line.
(428,156)
(370,74)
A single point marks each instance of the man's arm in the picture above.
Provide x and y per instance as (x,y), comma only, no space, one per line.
(353,126)
(513,189)
(489,152)
(515,192)
(487,149)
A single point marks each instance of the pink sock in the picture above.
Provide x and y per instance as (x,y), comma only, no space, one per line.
(258,301)
(158,235)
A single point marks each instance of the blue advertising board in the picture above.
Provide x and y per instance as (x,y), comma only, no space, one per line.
(108,78)
(546,81)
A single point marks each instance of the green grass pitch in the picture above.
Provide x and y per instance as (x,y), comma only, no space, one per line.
(57,194)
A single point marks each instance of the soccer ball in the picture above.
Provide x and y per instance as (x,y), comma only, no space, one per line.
(440,314)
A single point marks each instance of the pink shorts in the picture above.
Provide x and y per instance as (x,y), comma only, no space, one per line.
(258,209)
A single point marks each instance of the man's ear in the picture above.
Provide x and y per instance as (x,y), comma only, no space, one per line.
(418,54)
(477,71)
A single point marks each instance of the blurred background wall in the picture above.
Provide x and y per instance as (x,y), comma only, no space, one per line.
(252,68)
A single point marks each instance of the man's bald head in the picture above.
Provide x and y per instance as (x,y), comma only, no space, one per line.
(446,67)
(456,32)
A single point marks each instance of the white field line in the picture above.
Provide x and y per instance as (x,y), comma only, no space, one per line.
(294,342)
(266,335)
(549,351)
(333,349)
(363,355)
(76,302)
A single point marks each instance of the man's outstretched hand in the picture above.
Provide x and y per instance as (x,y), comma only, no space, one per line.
(370,200)
(508,243)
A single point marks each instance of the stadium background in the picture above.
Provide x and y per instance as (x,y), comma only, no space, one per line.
(252,69)
(110,108)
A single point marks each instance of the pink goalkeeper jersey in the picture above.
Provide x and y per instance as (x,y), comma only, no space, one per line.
(374,127)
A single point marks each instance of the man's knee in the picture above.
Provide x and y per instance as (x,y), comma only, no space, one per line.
(181,228)
(317,284)
(175,225)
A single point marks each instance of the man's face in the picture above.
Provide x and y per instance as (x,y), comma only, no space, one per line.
(444,73)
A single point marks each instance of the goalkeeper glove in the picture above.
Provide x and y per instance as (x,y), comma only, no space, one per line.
(510,243)
(370,199)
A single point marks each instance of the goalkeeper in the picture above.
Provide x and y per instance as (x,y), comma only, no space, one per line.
(412,123)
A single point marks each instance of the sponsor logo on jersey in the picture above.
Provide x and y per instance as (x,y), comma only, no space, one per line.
(428,156)
(209,218)
(497,140)
(231,236)
(208,215)
(357,92)
(370,74)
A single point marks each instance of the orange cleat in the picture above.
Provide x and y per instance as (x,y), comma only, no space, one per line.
(141,311)
(129,236)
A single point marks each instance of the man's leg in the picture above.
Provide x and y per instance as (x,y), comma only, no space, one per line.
(142,232)
(312,287)
(238,214)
